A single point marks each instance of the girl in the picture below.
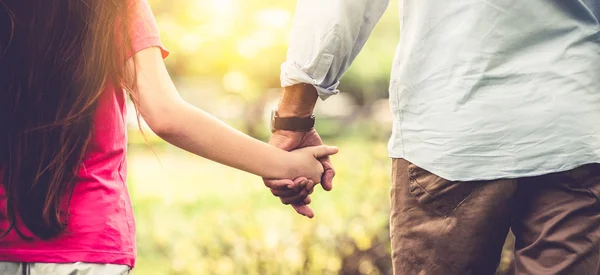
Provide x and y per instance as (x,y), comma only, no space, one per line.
(64,67)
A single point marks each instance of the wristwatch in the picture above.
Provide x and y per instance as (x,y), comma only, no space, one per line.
(296,124)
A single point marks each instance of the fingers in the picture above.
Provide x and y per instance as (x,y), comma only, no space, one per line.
(285,184)
(323,151)
(327,177)
(279,184)
(284,193)
(301,181)
(327,180)
(298,198)
(298,195)
(307,201)
(304,210)
(308,185)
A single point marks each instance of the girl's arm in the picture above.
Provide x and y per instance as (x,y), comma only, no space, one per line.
(193,130)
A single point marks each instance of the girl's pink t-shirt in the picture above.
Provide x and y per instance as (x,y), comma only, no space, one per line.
(101,225)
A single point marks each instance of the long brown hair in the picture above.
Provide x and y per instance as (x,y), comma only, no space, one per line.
(56,58)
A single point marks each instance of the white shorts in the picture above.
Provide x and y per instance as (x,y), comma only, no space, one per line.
(8,268)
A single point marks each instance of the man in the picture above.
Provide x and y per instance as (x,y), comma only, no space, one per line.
(496,108)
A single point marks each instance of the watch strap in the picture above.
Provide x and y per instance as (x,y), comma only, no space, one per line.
(297,124)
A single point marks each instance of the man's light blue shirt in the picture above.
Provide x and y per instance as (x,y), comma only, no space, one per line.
(479,89)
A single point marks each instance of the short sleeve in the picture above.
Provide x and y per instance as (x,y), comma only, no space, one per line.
(144,30)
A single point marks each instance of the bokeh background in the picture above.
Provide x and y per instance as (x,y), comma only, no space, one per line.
(198,217)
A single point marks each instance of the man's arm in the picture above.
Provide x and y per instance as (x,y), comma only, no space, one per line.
(298,101)
(326,37)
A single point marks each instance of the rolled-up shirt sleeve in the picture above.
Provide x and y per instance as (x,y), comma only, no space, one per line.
(326,37)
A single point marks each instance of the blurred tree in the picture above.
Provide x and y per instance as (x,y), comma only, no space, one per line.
(240,44)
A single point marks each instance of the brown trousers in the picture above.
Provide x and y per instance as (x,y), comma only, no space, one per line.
(439,227)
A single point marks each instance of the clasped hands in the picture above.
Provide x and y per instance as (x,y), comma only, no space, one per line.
(297,192)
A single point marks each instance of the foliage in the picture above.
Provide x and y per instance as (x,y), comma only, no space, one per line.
(198,217)
(241,44)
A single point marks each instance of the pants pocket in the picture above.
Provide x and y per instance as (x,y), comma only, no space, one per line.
(439,195)
(588,178)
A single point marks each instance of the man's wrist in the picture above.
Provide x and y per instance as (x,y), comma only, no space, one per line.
(300,124)
(298,101)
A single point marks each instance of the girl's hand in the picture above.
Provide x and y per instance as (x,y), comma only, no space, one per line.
(288,141)
(305,162)
(306,167)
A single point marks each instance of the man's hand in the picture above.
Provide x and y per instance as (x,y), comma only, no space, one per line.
(288,140)
(299,101)
(298,194)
